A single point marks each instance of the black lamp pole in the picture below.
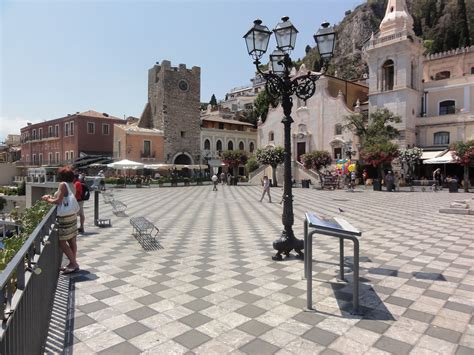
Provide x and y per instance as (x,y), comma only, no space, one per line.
(280,85)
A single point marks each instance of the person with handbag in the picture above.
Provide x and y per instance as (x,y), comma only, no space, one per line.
(68,208)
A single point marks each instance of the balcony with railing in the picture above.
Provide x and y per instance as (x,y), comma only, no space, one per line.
(28,284)
(147,155)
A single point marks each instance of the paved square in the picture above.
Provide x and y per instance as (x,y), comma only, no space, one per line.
(211,287)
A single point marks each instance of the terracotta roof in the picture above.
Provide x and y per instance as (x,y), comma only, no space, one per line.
(134,128)
(92,113)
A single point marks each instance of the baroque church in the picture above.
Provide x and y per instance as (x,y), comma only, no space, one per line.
(433,94)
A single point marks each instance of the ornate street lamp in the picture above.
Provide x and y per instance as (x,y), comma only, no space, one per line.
(279,85)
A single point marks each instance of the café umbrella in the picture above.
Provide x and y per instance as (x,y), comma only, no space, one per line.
(126,164)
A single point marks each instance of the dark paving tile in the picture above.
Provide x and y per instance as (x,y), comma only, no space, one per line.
(160,278)
(92,307)
(82,321)
(197,305)
(392,346)
(124,348)
(141,313)
(310,318)
(443,333)
(250,311)
(115,283)
(247,297)
(459,307)
(104,294)
(244,286)
(330,352)
(254,327)
(243,278)
(132,330)
(201,282)
(195,320)
(320,336)
(192,339)
(292,291)
(418,284)
(156,288)
(258,346)
(149,299)
(436,294)
(123,274)
(373,325)
(403,302)
(462,350)
(203,273)
(297,302)
(419,316)
(199,293)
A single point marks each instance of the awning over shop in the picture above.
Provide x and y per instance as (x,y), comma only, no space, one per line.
(446,158)
(432,154)
(174,166)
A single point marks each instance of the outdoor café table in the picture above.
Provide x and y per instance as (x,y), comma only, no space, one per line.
(333,227)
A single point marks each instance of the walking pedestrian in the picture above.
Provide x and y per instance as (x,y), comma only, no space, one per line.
(79,197)
(215,181)
(266,189)
(222,178)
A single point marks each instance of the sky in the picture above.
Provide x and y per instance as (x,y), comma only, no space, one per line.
(64,56)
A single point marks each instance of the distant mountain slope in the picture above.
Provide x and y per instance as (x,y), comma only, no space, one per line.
(442,24)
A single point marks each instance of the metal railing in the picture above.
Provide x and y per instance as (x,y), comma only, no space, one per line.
(27,286)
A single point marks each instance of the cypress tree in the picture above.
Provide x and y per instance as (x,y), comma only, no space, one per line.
(461,27)
(213,101)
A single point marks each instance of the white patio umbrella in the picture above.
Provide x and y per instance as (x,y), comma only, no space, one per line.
(126,164)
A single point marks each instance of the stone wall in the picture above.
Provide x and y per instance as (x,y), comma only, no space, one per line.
(174,95)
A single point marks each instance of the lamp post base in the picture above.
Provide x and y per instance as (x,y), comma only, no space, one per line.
(286,243)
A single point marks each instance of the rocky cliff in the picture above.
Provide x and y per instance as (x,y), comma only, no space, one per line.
(442,24)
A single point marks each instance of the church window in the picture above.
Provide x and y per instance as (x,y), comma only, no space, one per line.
(447,107)
(442,75)
(230,145)
(441,138)
(338,129)
(241,145)
(251,147)
(221,125)
(105,129)
(218,145)
(207,144)
(388,73)
(183,134)
(271,136)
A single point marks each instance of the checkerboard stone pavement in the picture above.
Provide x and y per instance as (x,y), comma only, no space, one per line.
(211,287)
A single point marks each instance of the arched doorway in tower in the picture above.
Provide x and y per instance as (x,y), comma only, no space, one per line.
(182,159)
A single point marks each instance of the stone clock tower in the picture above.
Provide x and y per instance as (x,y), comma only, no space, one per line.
(174,95)
(395,58)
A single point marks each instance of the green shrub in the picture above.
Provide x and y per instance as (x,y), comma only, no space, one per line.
(252,164)
(30,219)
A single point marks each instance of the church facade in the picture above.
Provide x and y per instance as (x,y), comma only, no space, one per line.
(433,95)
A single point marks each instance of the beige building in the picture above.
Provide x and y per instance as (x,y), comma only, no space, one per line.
(220,131)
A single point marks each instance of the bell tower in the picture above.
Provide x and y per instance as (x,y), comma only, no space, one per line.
(395,59)
(174,107)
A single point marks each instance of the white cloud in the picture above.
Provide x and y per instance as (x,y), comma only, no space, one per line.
(11,125)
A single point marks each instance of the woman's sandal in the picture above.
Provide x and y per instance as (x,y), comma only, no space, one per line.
(69,270)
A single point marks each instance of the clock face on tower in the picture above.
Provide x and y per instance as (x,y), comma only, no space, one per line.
(183,85)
